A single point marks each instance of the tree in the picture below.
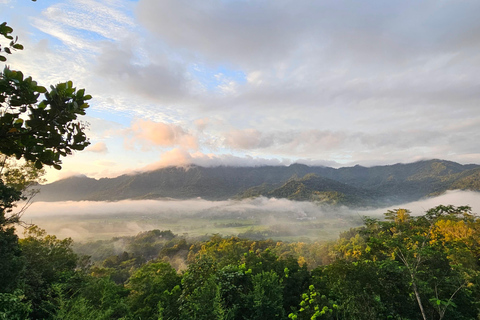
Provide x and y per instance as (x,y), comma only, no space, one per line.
(11,260)
(438,253)
(44,131)
(267,296)
(314,306)
(40,132)
(204,302)
(49,263)
(13,306)
(200,293)
(150,285)
(37,126)
(6,32)
(98,299)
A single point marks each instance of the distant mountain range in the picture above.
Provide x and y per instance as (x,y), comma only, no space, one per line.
(351,186)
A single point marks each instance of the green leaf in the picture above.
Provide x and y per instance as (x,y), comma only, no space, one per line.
(61,87)
(2,58)
(18,75)
(40,89)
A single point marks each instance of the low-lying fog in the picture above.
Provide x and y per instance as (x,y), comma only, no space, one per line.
(260,217)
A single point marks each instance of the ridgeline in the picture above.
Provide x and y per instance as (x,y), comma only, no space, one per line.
(351,186)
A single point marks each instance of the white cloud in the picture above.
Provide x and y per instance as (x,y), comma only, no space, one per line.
(246,139)
(457,198)
(106,20)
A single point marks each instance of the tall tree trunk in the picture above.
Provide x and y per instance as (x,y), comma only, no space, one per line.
(417,295)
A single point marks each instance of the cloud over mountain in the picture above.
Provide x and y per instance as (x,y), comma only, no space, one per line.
(332,81)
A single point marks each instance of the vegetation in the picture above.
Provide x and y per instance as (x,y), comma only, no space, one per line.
(400,267)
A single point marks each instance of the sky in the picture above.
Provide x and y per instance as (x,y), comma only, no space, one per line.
(259,82)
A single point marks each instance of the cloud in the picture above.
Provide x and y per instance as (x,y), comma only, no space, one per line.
(247,139)
(182,158)
(258,29)
(99,147)
(270,31)
(454,197)
(101,219)
(148,133)
(174,157)
(201,124)
(322,63)
(67,20)
(330,81)
(291,142)
(156,77)
(302,142)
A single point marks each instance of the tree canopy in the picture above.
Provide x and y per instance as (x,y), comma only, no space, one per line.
(38,124)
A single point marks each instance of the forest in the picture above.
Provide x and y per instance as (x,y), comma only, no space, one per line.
(400,267)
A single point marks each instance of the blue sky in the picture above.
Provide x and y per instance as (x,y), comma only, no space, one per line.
(241,82)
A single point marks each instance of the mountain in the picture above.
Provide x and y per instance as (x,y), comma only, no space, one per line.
(216,183)
(314,188)
(359,186)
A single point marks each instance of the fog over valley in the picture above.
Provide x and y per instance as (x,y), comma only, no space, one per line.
(261,217)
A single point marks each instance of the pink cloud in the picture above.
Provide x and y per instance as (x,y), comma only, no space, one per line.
(99,147)
(148,133)
(174,157)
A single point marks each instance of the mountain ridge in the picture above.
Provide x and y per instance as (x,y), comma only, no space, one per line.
(358,185)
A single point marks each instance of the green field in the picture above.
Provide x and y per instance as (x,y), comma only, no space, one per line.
(256,225)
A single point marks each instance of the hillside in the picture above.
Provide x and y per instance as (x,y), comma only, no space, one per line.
(350,185)
(314,188)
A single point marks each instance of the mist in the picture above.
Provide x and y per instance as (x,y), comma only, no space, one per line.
(275,218)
